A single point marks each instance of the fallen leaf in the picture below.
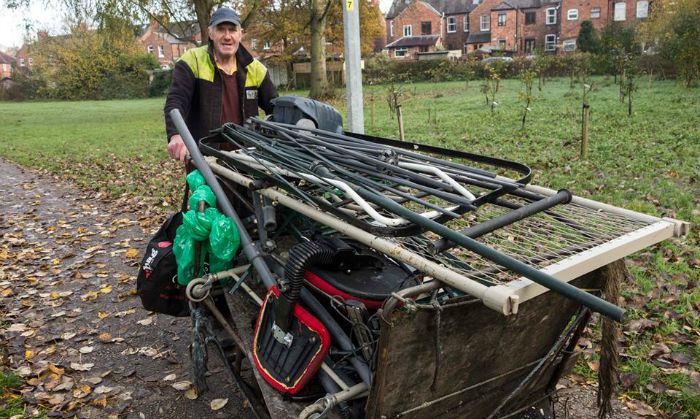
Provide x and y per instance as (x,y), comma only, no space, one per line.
(89,296)
(106,289)
(81,367)
(217,404)
(132,253)
(105,337)
(17,327)
(68,336)
(182,385)
(191,393)
(102,315)
(146,321)
(680,358)
(86,349)
(103,389)
(170,377)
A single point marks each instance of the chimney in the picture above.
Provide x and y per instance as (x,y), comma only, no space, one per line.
(42,35)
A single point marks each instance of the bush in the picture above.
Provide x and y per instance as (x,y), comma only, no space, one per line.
(160,83)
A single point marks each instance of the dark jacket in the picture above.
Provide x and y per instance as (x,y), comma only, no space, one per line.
(197,90)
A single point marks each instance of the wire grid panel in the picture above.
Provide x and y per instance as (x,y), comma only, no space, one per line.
(539,240)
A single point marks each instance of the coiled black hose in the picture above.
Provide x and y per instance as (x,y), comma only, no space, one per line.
(301,258)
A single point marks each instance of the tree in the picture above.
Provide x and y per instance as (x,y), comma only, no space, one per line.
(675,27)
(587,40)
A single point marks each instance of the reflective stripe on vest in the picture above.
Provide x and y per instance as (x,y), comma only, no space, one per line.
(197,59)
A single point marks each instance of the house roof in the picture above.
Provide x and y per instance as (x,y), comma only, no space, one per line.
(399,6)
(458,7)
(504,6)
(175,32)
(448,7)
(6,58)
(415,41)
(479,37)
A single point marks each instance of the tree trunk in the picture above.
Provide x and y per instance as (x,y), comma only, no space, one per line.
(319,79)
(203,10)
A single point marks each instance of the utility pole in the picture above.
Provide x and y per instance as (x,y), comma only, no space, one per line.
(353,70)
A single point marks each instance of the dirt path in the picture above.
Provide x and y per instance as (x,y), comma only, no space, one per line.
(72,326)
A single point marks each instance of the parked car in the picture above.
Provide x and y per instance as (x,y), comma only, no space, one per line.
(492,60)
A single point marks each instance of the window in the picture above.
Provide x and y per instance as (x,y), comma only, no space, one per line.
(551,16)
(426,28)
(466,23)
(423,48)
(149,49)
(550,42)
(30,61)
(501,19)
(572,14)
(266,45)
(407,30)
(620,11)
(161,51)
(595,13)
(451,24)
(485,23)
(21,62)
(254,43)
(530,18)
(391,28)
(569,45)
(501,44)
(400,52)
(529,45)
(642,9)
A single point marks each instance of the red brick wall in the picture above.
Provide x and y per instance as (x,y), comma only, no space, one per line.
(457,39)
(571,28)
(416,13)
(505,33)
(171,52)
(23,54)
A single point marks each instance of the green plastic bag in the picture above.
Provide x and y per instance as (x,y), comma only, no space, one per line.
(217,234)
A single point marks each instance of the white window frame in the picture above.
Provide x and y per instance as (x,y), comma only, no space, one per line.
(30,61)
(572,14)
(391,28)
(161,51)
(498,19)
(551,16)
(595,13)
(451,24)
(21,62)
(620,11)
(407,30)
(642,13)
(501,43)
(254,43)
(569,45)
(485,24)
(550,42)
(465,24)
(149,49)
(529,41)
(403,52)
(267,46)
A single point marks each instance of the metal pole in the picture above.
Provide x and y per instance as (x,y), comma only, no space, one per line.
(353,70)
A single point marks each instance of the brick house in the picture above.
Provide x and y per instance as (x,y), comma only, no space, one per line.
(413,26)
(511,26)
(167,45)
(6,62)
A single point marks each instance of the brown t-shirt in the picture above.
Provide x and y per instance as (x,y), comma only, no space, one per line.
(231,104)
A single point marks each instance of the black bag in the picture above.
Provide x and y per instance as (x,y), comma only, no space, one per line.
(156,282)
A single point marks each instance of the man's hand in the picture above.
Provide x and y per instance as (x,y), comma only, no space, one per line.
(177,148)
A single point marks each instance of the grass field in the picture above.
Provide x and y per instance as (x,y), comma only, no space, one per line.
(649,162)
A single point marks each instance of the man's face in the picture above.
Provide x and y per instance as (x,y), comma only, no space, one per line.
(226,38)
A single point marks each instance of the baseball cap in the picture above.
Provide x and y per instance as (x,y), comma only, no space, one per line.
(224,14)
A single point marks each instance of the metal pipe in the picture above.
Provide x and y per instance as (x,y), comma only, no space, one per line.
(478,230)
(594,303)
(327,403)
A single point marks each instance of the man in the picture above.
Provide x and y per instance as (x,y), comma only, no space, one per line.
(216,83)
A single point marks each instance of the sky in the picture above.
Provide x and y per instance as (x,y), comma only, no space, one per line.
(40,17)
